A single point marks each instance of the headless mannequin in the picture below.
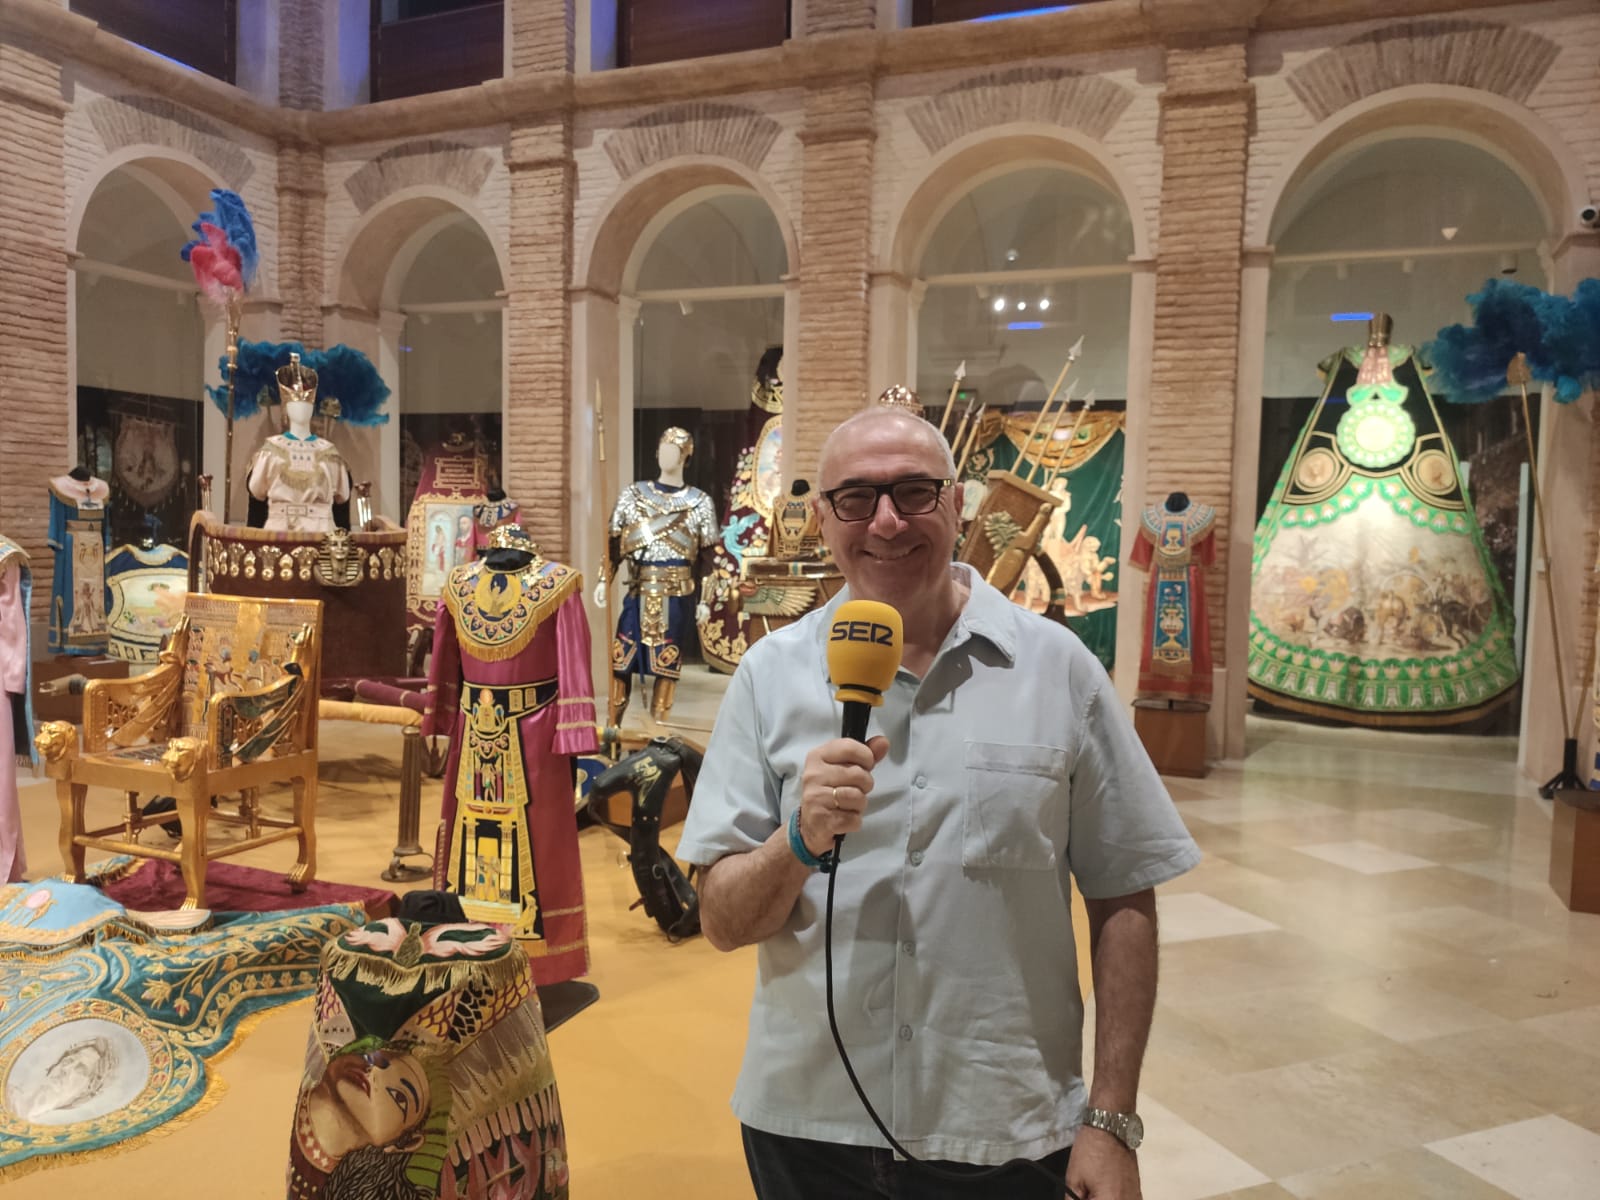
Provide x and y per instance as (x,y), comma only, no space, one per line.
(1177,502)
(81,474)
(494,495)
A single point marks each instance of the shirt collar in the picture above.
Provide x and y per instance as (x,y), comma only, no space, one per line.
(986,614)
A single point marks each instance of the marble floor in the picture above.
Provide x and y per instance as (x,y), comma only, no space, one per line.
(1368,990)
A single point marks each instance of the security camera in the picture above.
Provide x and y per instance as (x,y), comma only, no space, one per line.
(1589,216)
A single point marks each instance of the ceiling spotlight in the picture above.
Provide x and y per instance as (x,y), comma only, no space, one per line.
(1341,271)
(999,304)
(1449,232)
(1011,256)
(1044,304)
(1408,265)
(1021,305)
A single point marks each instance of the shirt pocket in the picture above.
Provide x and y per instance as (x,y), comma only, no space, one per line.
(1010,810)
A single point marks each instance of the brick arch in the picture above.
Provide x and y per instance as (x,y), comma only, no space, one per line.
(1046,95)
(1512,133)
(451,166)
(184,183)
(123,122)
(1480,55)
(362,273)
(619,230)
(983,155)
(703,128)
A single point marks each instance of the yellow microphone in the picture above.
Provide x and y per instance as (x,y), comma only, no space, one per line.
(865,642)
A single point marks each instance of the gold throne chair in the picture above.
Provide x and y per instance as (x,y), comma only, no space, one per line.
(230,708)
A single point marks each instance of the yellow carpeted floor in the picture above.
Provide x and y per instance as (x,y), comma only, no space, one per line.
(645,1073)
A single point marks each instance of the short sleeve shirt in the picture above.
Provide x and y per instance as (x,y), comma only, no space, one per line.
(1011,764)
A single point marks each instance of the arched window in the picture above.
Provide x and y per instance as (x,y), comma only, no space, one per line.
(1018,269)
(710,292)
(140,414)
(451,351)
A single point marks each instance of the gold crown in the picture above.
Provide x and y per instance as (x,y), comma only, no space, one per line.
(900,396)
(296,381)
(513,537)
(680,438)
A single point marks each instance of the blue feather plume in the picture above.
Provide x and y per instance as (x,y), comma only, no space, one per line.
(1559,336)
(343,374)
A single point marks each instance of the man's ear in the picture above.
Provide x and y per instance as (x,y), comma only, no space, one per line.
(408,1144)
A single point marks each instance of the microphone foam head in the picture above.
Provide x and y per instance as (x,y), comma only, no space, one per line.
(865,642)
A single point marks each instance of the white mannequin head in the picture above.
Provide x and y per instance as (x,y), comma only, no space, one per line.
(299,413)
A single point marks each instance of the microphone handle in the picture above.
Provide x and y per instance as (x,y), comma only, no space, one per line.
(854,725)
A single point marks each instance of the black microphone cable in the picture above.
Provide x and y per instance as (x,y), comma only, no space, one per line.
(831,868)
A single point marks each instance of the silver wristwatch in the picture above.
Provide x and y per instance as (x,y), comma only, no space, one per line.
(1127,1128)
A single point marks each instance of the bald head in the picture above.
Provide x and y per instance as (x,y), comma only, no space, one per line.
(913,431)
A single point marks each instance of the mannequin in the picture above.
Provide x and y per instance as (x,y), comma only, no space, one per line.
(664,529)
(511,689)
(301,476)
(80,534)
(16,716)
(497,509)
(1176,539)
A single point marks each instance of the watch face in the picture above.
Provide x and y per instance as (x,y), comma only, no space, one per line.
(1134,1131)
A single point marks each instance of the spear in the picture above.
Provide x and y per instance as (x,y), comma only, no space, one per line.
(949,405)
(605,537)
(1072,356)
(1088,403)
(972,442)
(961,425)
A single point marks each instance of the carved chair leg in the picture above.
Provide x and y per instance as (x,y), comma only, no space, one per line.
(305,816)
(194,814)
(71,796)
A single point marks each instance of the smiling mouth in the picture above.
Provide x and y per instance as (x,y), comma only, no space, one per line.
(893,554)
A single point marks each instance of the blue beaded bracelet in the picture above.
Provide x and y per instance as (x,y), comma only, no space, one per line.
(798,844)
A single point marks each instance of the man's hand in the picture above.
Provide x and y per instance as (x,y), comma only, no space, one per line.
(833,789)
(1102,1168)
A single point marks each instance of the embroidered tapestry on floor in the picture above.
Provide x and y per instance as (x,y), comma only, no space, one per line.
(107,1015)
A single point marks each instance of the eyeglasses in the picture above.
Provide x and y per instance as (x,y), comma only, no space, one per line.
(910,497)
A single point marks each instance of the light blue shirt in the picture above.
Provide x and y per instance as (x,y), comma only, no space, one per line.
(955,972)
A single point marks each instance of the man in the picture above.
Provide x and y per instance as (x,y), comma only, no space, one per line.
(1001,760)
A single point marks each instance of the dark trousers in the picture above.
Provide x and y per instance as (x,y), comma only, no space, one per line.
(786,1168)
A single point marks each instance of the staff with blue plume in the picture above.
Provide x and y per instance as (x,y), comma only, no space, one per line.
(1519,334)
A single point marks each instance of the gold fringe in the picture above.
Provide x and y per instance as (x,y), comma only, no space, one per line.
(1382,720)
(392,979)
(570,583)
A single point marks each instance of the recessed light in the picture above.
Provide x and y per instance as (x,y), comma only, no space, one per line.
(1044,304)
(999,304)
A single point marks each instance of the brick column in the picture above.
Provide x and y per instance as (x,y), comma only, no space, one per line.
(1205,120)
(301,34)
(301,237)
(35,441)
(537,428)
(836,228)
(838,16)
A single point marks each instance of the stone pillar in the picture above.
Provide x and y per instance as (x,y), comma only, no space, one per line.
(302,37)
(301,237)
(36,440)
(835,16)
(836,230)
(894,303)
(1131,583)
(538,425)
(1256,281)
(1205,120)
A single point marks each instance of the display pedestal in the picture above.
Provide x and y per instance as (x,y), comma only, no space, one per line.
(1575,850)
(1174,738)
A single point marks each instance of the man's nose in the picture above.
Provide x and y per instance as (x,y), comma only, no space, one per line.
(886,518)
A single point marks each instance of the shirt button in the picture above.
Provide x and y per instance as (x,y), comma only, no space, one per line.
(905,1033)
(916,858)
(910,948)
(922,781)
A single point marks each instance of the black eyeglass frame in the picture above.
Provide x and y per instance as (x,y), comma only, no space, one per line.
(880,490)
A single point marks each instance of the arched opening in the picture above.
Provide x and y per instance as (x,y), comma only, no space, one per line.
(1022,265)
(421,293)
(1406,221)
(707,284)
(140,416)
(451,353)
